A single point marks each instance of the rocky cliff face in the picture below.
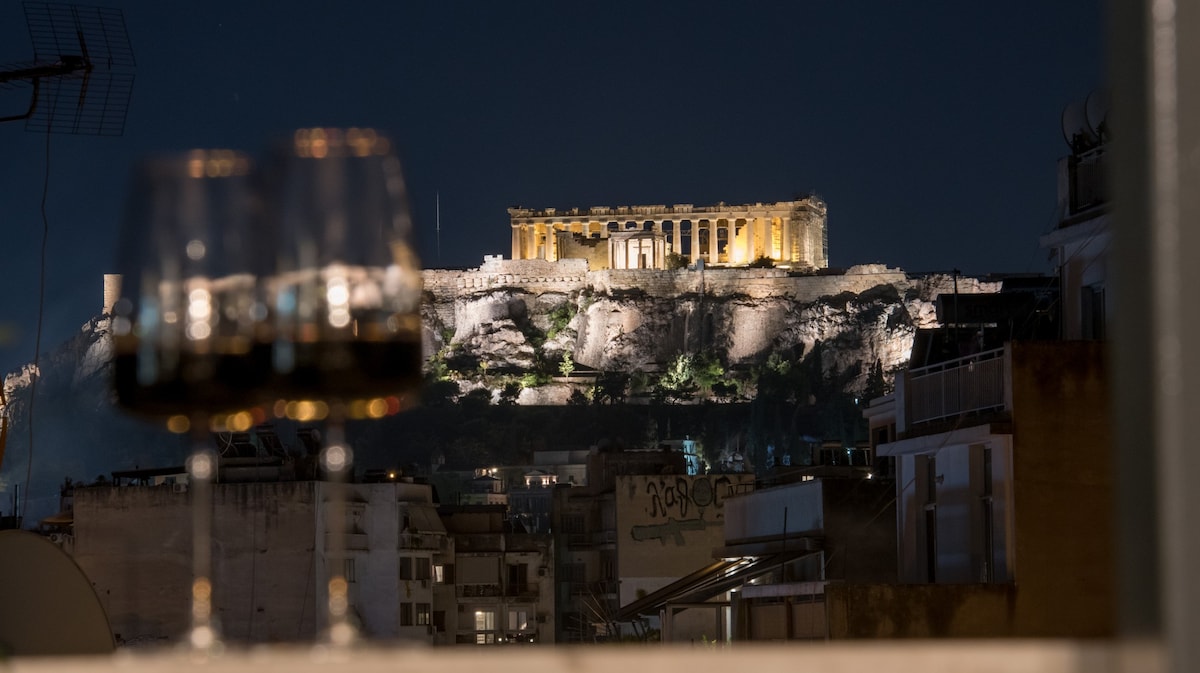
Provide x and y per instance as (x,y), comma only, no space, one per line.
(511,317)
(78,432)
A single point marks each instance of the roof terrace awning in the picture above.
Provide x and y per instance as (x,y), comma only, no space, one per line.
(700,586)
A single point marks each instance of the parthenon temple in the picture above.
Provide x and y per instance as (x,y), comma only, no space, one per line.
(792,234)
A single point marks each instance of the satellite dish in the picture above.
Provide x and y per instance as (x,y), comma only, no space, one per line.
(1096,110)
(1077,132)
(49,606)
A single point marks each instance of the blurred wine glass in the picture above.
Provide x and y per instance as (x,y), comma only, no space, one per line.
(344,304)
(192,346)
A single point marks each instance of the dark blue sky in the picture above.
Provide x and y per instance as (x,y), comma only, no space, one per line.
(931,129)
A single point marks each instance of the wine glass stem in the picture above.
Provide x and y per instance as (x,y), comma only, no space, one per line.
(336,462)
(202,469)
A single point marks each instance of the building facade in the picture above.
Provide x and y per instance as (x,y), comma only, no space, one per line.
(503,580)
(271,558)
(791,234)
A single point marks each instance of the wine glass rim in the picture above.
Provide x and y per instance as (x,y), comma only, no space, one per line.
(200,163)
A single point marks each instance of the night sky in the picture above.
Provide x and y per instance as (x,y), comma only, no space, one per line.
(930,129)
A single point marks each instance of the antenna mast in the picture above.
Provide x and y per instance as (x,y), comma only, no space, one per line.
(438,200)
(81,74)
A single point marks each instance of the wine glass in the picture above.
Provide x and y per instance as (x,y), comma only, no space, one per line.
(344,304)
(188,334)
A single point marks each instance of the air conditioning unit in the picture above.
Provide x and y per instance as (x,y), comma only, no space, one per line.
(56,538)
(424,584)
(179,487)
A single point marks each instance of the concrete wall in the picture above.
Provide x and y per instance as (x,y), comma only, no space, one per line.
(135,545)
(572,275)
(761,514)
(860,531)
(921,611)
(783,619)
(667,526)
(1063,489)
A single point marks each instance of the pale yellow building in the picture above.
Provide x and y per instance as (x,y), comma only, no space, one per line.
(791,234)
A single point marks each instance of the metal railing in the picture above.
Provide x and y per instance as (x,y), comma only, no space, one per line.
(959,386)
(427,541)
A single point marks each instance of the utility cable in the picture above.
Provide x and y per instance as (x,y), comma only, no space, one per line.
(37,342)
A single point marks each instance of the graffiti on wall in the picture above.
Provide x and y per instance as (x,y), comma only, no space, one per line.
(681,496)
(672,505)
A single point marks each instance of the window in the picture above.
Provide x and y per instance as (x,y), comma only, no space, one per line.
(573,523)
(518,574)
(485,626)
(439,573)
(406,614)
(930,533)
(518,620)
(424,614)
(348,570)
(608,564)
(576,572)
(422,568)
(406,568)
(988,572)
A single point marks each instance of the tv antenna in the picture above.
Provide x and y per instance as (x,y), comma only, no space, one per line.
(81,75)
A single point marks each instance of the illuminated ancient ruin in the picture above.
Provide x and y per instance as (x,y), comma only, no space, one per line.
(791,234)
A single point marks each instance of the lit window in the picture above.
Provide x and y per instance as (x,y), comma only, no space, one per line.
(424,612)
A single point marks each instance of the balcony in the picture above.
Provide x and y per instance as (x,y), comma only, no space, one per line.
(350,541)
(490,590)
(596,588)
(427,541)
(964,385)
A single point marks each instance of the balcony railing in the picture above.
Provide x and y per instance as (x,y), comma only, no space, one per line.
(490,590)
(598,587)
(959,386)
(428,541)
(350,541)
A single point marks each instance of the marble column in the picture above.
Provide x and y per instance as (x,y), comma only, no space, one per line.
(730,237)
(676,237)
(787,253)
(751,240)
(695,251)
